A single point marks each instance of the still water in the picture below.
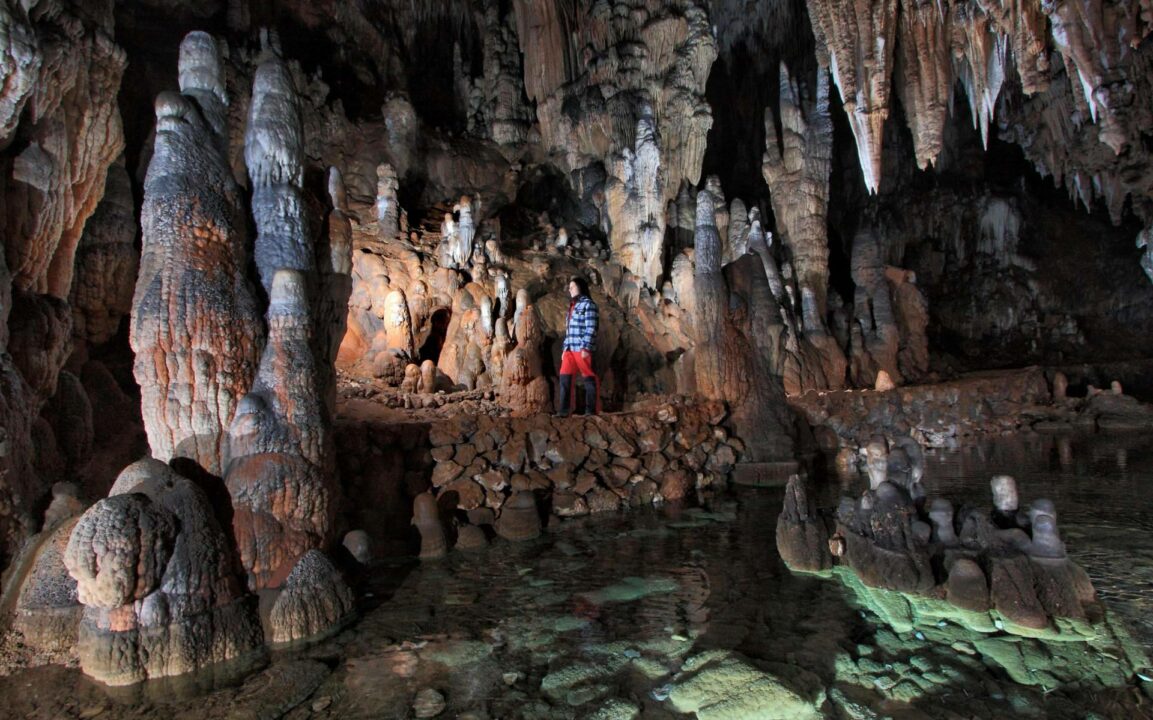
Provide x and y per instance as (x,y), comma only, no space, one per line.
(662,613)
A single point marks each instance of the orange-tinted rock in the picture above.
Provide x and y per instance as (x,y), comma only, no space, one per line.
(281,473)
(315,601)
(68,138)
(195,328)
(524,388)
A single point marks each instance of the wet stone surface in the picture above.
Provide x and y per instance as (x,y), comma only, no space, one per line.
(673,612)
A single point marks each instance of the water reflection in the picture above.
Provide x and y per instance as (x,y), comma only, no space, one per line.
(660,613)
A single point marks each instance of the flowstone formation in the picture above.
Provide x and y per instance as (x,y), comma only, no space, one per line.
(637,73)
(987,570)
(60,130)
(195,328)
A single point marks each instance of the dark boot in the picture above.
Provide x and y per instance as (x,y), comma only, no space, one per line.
(590,396)
(565,396)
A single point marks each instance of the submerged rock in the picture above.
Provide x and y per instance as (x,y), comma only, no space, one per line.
(722,686)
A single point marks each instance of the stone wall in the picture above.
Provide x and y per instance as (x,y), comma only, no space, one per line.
(573,466)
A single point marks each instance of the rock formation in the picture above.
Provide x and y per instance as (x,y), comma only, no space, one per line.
(519,518)
(856,41)
(1005,560)
(551,139)
(426,518)
(315,601)
(335,271)
(635,204)
(924,72)
(274,154)
(732,363)
(195,329)
(796,167)
(875,335)
(73,134)
(155,574)
(280,468)
(802,538)
(387,206)
(106,262)
(523,385)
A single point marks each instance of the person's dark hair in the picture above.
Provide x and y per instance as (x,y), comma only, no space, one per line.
(581,284)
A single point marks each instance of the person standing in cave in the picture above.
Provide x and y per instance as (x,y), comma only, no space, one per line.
(579,343)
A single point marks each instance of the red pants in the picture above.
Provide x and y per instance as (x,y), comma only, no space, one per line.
(575,363)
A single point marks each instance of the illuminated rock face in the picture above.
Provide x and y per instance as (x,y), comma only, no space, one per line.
(570,138)
(280,470)
(195,328)
(643,116)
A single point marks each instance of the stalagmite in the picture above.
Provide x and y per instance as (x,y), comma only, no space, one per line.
(154,572)
(876,337)
(732,362)
(759,242)
(523,385)
(315,601)
(201,75)
(281,475)
(274,153)
(427,377)
(737,242)
(465,231)
(398,325)
(195,329)
(387,206)
(334,263)
(797,173)
(856,39)
(501,346)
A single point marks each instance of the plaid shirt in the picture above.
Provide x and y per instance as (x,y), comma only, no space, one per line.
(581,333)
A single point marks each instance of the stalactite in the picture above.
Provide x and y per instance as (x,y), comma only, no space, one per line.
(979,57)
(635,205)
(1095,40)
(925,74)
(856,40)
